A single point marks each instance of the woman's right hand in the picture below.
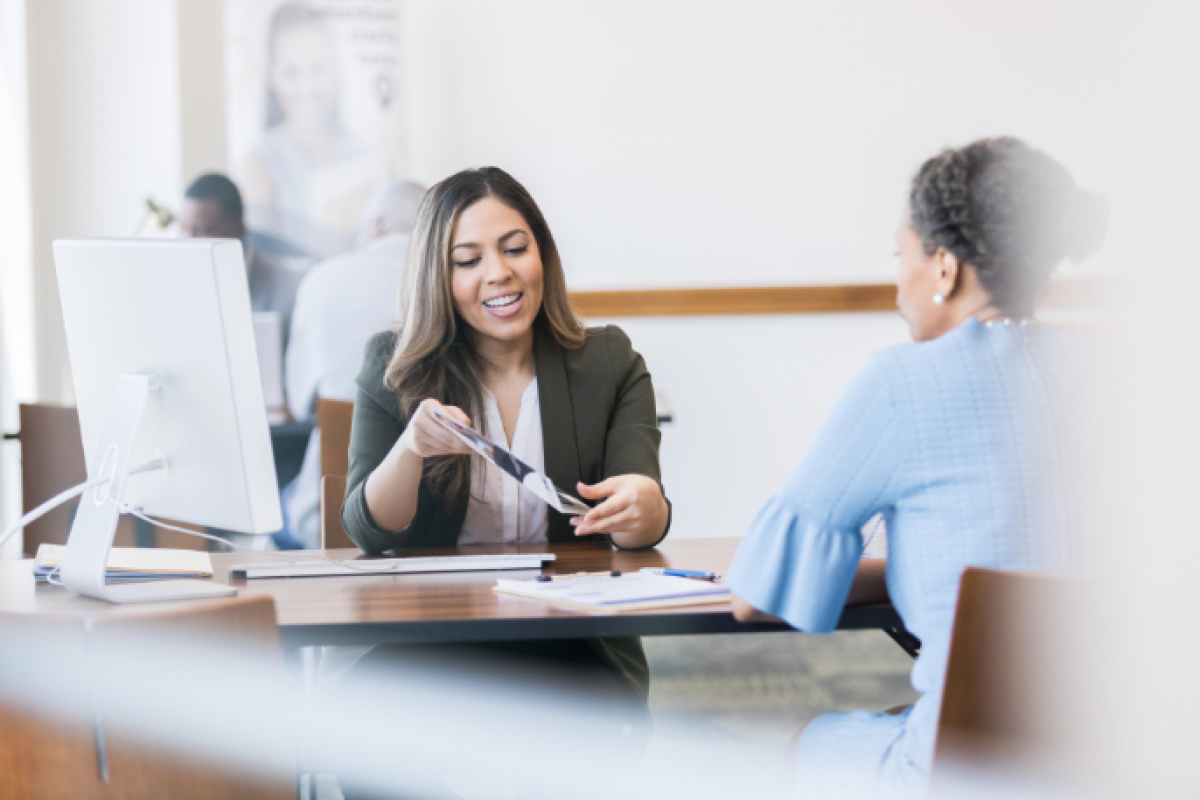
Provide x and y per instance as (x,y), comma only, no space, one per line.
(426,437)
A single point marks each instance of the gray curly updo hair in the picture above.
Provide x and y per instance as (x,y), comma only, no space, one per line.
(1010,212)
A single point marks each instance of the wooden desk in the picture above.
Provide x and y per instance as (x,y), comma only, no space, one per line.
(451,607)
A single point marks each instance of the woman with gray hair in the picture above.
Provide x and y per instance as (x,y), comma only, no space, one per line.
(971,442)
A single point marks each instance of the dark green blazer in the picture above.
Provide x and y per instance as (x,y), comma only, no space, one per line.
(598,420)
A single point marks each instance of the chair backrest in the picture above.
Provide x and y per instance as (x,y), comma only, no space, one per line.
(1007,702)
(47,744)
(333,492)
(52,460)
(334,418)
(140,696)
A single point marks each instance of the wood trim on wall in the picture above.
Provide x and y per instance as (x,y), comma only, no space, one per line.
(1076,292)
(736,300)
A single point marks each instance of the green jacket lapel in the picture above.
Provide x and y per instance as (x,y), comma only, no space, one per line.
(558,425)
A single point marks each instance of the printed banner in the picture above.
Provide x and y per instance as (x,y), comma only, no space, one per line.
(314,114)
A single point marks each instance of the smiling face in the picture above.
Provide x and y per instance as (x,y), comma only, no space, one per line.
(496,271)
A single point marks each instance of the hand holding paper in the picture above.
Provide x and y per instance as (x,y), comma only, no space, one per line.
(631,503)
(427,437)
(512,466)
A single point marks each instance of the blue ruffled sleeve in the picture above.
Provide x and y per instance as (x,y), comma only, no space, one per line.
(799,557)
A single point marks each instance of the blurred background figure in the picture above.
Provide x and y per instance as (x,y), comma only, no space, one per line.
(308,177)
(212,208)
(340,304)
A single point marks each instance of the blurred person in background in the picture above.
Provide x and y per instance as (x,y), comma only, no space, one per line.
(972,442)
(340,304)
(212,209)
(488,336)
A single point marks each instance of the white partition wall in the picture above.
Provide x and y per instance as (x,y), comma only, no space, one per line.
(104,132)
(678,143)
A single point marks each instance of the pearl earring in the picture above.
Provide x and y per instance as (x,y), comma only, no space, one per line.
(939,298)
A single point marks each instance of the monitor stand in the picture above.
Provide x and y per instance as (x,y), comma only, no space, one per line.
(86,559)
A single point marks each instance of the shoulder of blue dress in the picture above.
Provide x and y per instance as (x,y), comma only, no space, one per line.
(968,334)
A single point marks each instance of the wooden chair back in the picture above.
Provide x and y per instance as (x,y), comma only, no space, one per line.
(52,461)
(47,744)
(72,720)
(1007,700)
(334,418)
(333,492)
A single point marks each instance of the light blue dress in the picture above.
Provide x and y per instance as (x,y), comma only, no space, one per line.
(971,446)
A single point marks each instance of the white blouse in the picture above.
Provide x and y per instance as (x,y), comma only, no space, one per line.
(501,510)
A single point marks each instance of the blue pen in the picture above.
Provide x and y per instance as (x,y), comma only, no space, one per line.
(682,573)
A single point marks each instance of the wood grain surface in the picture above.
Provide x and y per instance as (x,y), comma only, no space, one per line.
(447,607)
(1067,292)
(735,300)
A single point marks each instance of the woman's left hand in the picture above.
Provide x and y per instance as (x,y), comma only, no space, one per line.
(634,512)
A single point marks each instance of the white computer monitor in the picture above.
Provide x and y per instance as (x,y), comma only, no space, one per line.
(163,357)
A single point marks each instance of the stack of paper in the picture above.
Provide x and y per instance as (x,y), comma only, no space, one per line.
(127,563)
(635,591)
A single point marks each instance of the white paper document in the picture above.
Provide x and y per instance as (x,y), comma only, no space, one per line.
(133,562)
(632,591)
(515,468)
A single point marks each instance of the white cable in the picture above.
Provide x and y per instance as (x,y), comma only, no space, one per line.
(70,494)
(136,511)
(50,505)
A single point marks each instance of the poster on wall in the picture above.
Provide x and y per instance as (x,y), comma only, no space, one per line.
(314,115)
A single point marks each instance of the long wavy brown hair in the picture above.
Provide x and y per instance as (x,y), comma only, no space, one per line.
(435,352)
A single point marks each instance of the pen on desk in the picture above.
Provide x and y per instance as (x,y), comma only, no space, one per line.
(682,573)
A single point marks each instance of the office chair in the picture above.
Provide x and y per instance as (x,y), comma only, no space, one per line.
(1009,702)
(66,722)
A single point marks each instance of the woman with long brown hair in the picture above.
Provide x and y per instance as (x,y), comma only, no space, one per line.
(488,336)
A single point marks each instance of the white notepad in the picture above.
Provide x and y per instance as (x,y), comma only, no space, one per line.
(634,591)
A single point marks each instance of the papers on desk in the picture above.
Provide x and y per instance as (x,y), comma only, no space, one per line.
(875,539)
(605,594)
(130,563)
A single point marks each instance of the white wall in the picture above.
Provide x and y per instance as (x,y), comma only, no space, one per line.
(104,132)
(748,395)
(724,142)
(200,34)
(90,126)
(17,374)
